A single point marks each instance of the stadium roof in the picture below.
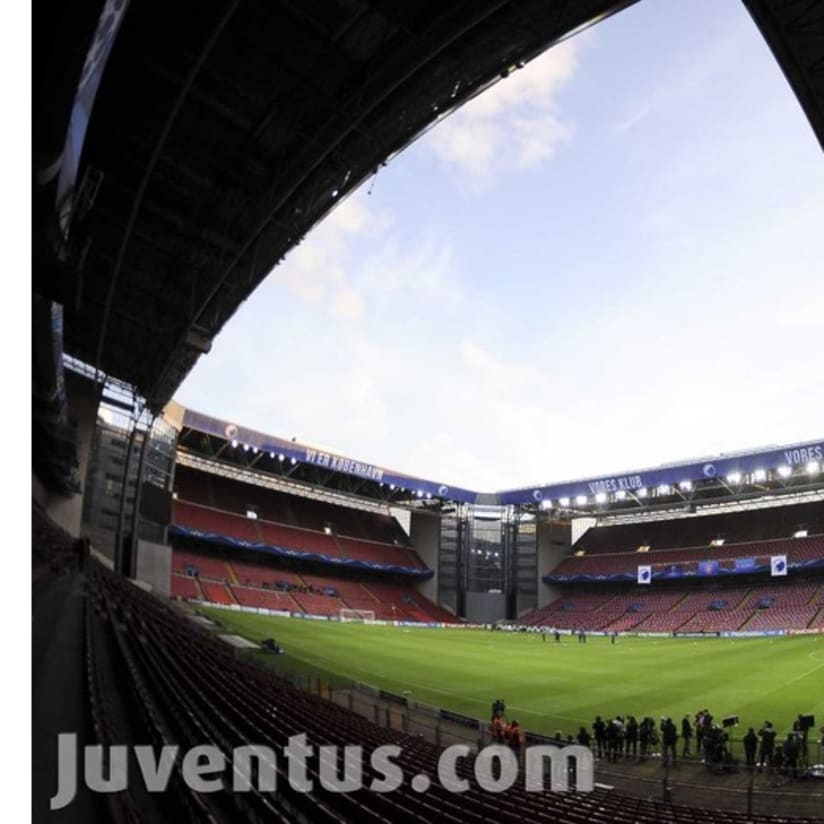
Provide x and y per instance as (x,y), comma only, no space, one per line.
(777,471)
(206,140)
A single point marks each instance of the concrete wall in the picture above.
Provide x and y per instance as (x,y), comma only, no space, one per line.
(554,542)
(425,535)
(83,398)
(485,607)
(154,566)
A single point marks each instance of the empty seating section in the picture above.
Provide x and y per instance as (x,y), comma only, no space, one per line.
(264,598)
(715,609)
(218,505)
(184,587)
(216,593)
(269,587)
(51,547)
(178,671)
(206,519)
(735,527)
(376,553)
(271,505)
(258,575)
(303,540)
(204,566)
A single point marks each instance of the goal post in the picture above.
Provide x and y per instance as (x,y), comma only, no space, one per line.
(359,615)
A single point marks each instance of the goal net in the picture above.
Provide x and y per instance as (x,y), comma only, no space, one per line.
(360,615)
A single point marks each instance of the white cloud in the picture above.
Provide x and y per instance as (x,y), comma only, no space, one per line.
(514,125)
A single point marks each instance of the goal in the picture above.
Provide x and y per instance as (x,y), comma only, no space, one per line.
(359,615)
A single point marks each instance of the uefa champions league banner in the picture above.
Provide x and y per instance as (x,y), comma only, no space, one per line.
(647,573)
(720,467)
(286,450)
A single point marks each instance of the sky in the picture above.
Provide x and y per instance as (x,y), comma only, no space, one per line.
(609,260)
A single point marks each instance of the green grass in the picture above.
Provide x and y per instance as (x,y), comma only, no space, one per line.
(550,686)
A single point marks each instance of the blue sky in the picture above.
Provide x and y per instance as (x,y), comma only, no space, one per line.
(609,260)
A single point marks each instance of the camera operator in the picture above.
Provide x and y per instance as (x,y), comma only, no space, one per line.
(801,728)
(767,736)
(714,745)
(790,750)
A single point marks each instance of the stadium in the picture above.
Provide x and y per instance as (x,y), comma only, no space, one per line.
(203,590)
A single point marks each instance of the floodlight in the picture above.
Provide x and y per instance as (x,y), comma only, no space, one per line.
(685,486)
(392,487)
(563,501)
(717,542)
(785,471)
(234,443)
(546,504)
(292,461)
(272,455)
(813,468)
(250,513)
(600,497)
(664,489)
(801,533)
(642,492)
(580,499)
(246,447)
(734,478)
(620,495)
(759,475)
(281,457)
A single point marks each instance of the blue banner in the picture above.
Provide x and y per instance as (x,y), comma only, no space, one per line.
(708,567)
(283,449)
(661,572)
(745,564)
(671,475)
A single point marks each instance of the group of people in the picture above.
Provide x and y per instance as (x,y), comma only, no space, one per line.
(786,757)
(508,733)
(629,738)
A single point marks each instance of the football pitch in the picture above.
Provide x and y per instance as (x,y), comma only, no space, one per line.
(550,686)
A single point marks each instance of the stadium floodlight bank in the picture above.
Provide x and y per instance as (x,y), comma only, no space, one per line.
(360,616)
